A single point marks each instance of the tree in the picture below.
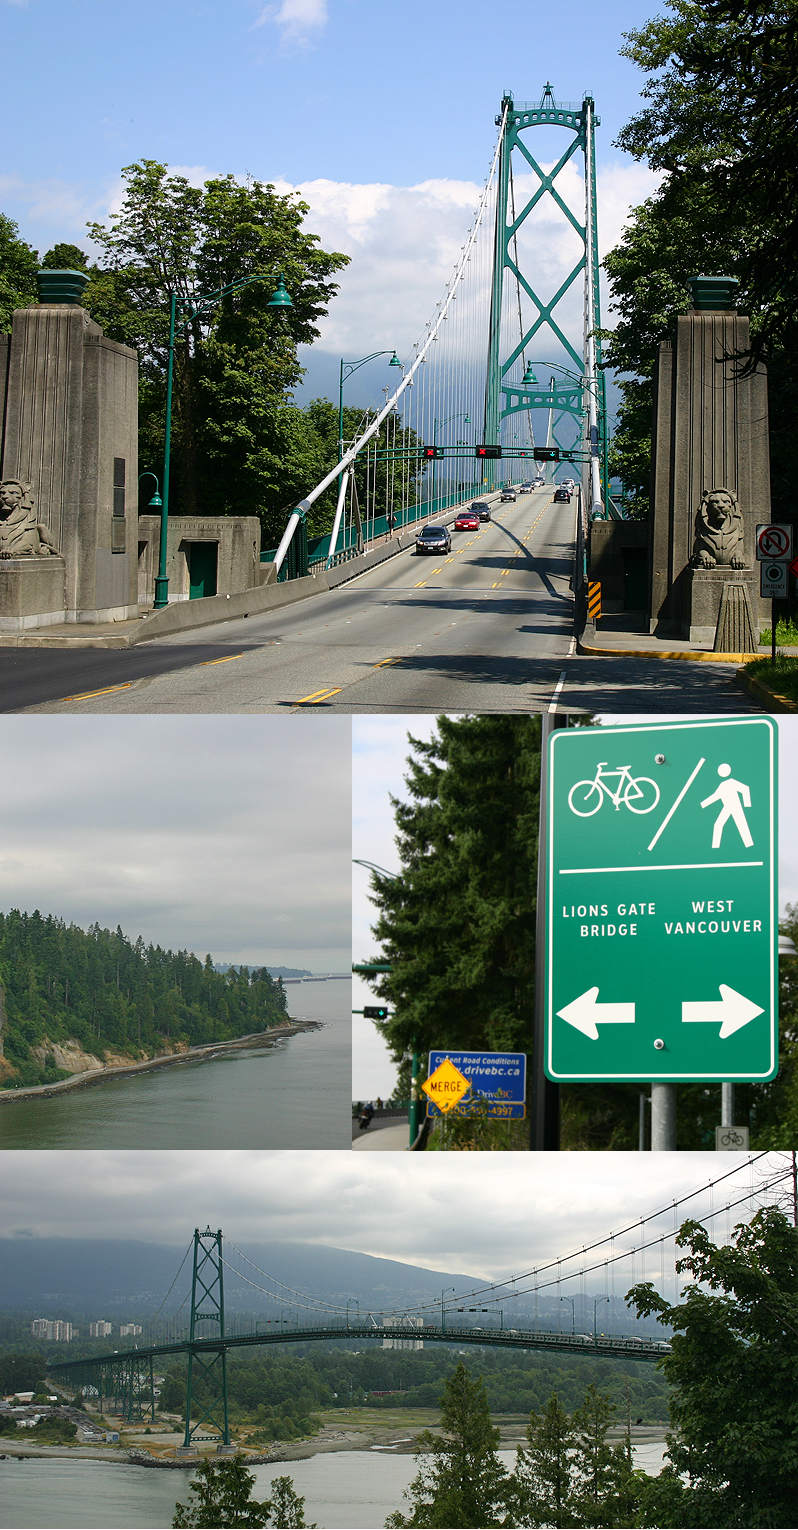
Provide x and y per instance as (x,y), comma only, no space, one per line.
(543,1478)
(239,447)
(607,1488)
(222,1496)
(719,126)
(18,267)
(734,1454)
(461,1481)
(457,924)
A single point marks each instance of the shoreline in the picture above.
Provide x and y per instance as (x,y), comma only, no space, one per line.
(164,1060)
(394,1440)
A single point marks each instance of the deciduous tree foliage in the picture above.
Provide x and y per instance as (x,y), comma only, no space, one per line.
(18,267)
(719,126)
(733,1368)
(239,446)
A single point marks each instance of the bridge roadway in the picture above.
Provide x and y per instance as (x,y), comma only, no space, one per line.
(488,628)
(496,1338)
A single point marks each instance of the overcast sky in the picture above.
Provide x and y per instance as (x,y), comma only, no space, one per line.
(483,1214)
(381,117)
(223,835)
(380,750)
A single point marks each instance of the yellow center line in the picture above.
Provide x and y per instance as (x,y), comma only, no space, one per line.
(318,696)
(396,660)
(420,584)
(87,695)
(229,660)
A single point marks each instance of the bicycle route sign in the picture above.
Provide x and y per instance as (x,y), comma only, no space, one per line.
(661,902)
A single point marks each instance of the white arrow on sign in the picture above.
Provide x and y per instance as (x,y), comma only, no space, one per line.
(732,1011)
(586,1015)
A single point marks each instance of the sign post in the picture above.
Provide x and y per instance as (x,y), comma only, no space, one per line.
(773,551)
(661,900)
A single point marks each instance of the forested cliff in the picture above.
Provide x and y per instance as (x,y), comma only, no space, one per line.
(101,991)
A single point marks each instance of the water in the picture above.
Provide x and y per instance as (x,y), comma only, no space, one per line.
(295,1093)
(343,1490)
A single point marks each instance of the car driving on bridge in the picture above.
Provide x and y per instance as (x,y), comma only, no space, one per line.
(467,520)
(509,494)
(434,539)
(481,508)
(526,487)
(562,495)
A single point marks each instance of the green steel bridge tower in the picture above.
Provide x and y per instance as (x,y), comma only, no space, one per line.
(580,396)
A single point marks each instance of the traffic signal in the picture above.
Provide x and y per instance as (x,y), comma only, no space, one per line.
(547,453)
(375,1011)
(488,451)
(432,451)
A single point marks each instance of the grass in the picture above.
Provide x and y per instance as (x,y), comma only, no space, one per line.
(786,634)
(781,677)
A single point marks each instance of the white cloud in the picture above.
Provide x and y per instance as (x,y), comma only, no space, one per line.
(298,20)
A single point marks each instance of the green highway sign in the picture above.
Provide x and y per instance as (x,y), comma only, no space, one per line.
(661,902)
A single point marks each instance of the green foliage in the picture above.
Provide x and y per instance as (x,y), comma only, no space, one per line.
(719,126)
(461,1481)
(786,634)
(238,446)
(457,924)
(377,484)
(781,677)
(53,1431)
(222,1495)
(733,1367)
(18,267)
(103,990)
(569,1474)
(22,1371)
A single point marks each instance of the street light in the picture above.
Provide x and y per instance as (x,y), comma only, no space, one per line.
(190,309)
(596,1300)
(443,1309)
(352,1302)
(347,368)
(573,1315)
(466,418)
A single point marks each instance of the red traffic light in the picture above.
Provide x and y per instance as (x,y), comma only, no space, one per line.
(432,451)
(488,451)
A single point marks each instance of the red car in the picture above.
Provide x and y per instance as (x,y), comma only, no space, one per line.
(467,520)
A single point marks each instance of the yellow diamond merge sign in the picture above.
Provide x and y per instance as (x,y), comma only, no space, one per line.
(446,1086)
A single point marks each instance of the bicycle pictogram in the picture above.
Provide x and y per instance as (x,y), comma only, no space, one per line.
(731,1138)
(639,793)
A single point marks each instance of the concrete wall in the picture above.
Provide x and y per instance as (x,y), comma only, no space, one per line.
(238,560)
(71,413)
(710,430)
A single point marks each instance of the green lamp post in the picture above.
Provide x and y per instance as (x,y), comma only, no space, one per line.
(182,312)
(346,370)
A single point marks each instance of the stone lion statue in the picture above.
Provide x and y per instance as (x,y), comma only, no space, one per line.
(21,535)
(718,531)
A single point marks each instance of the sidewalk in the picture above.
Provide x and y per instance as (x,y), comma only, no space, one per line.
(621,636)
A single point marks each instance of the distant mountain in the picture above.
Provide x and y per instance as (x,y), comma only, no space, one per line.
(58,1277)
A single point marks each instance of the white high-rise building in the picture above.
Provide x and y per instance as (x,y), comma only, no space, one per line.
(404,1323)
(100,1330)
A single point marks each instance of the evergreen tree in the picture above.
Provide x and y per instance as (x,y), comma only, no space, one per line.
(606,1486)
(734,1453)
(461,1481)
(222,1495)
(458,923)
(543,1482)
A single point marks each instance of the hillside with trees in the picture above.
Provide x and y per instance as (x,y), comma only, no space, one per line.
(105,992)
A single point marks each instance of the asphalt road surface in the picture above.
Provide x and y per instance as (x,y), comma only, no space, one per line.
(488,628)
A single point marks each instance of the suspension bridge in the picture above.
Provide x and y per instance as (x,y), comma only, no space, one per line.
(124,1382)
(504,384)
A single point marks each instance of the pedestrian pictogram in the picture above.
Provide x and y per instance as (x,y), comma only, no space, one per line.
(662,933)
(774,542)
(733,796)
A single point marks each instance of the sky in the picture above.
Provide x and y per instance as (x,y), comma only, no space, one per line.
(382,117)
(485,1215)
(197,834)
(379,753)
